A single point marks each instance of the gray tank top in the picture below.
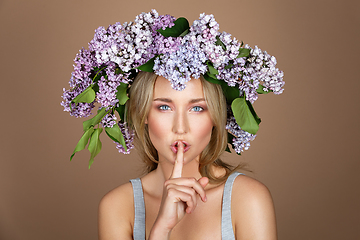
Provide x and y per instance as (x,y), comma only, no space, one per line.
(227,232)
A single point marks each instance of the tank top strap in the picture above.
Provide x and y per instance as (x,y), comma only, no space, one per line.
(227,232)
(139,222)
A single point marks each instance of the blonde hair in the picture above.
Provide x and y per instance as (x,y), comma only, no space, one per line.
(138,107)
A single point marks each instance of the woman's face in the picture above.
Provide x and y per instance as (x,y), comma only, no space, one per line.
(179,116)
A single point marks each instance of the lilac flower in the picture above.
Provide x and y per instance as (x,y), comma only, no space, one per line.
(79,109)
(108,86)
(84,63)
(109,120)
(178,67)
(128,136)
(242,138)
(204,30)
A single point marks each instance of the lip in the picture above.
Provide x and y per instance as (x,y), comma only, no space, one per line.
(174,148)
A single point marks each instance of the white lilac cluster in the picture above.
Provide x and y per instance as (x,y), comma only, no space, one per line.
(260,68)
(128,136)
(263,66)
(116,52)
(242,139)
(181,65)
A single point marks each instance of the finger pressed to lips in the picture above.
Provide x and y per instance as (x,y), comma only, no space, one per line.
(177,144)
(179,162)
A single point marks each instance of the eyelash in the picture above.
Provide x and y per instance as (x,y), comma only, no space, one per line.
(162,108)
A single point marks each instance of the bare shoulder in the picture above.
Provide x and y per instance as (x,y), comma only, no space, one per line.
(253,209)
(116,213)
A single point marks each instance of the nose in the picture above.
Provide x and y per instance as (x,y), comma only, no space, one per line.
(181,123)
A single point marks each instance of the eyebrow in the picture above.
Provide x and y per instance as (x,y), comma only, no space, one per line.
(195,100)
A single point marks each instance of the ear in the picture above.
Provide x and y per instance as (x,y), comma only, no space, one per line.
(146,121)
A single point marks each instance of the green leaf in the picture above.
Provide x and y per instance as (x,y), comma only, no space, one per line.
(230,92)
(179,29)
(243,52)
(121,93)
(121,111)
(94,145)
(148,66)
(95,120)
(260,90)
(258,120)
(87,96)
(184,33)
(212,79)
(116,135)
(83,141)
(243,113)
(220,43)
(212,70)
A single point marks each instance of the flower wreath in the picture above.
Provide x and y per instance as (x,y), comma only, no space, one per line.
(171,48)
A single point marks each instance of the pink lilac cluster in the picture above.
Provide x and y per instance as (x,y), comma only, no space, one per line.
(128,136)
(242,139)
(181,65)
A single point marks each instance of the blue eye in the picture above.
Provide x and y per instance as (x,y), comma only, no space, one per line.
(164,107)
(198,109)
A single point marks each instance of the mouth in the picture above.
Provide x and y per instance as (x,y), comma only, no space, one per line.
(175,145)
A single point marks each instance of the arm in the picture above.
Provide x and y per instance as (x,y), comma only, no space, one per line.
(116,214)
(253,210)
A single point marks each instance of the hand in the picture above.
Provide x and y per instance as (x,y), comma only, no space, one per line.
(180,195)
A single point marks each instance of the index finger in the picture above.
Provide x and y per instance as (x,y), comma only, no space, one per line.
(179,161)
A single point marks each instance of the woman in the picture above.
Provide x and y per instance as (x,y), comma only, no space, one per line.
(183,94)
(179,202)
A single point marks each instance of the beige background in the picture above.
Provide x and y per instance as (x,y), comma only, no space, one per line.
(307,149)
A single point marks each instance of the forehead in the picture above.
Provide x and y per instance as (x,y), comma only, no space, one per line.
(193,89)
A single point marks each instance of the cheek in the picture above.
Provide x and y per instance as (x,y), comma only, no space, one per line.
(204,129)
(157,130)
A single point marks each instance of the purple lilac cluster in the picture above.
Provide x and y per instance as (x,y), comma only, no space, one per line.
(107,86)
(180,66)
(79,81)
(242,139)
(128,136)
(249,72)
(161,44)
(109,120)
